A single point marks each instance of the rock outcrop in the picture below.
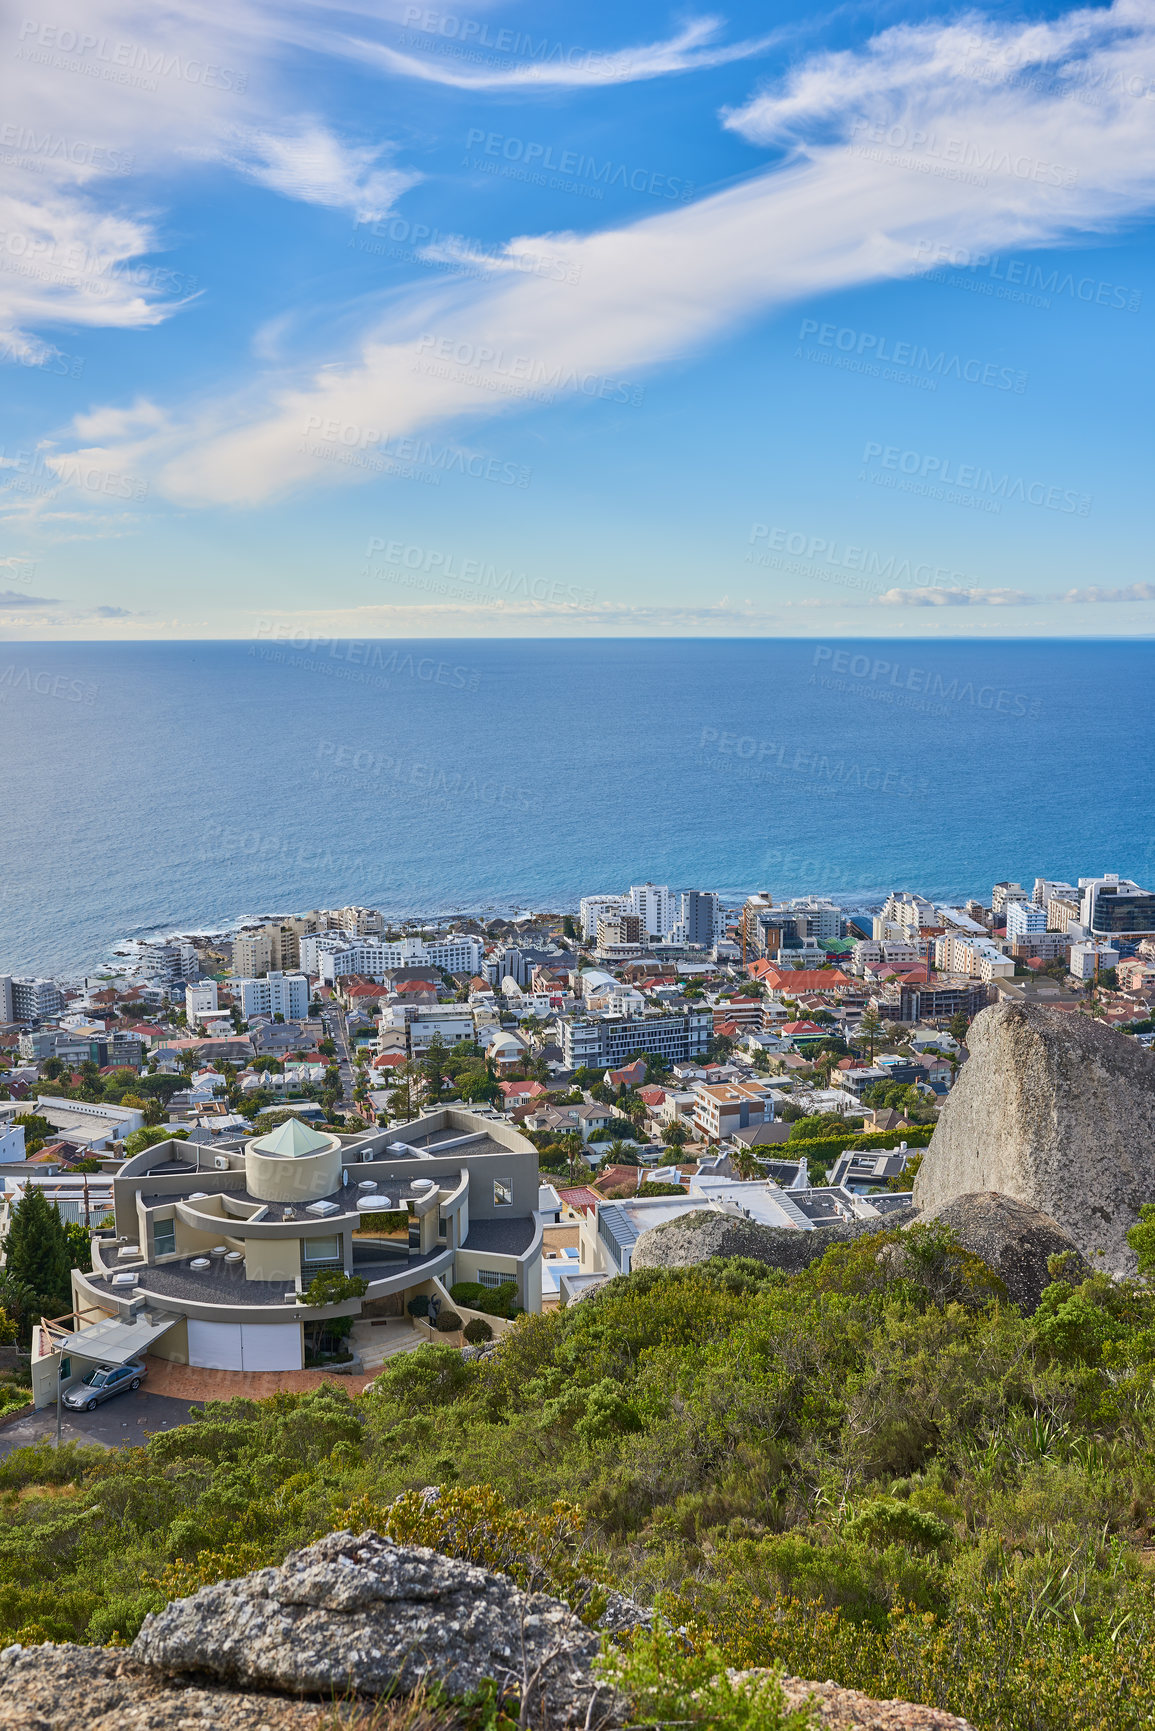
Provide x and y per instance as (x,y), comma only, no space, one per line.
(324,1636)
(363,1615)
(1013,1240)
(696,1237)
(1056,1111)
(68,1688)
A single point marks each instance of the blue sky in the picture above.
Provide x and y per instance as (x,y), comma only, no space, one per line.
(380,320)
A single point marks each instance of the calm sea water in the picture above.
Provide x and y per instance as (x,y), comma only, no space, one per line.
(149,787)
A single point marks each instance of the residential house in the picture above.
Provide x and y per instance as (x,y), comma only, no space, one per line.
(629,1076)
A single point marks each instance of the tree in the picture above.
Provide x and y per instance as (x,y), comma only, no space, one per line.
(36,1253)
(433,1066)
(477,1085)
(150,1137)
(34,1125)
(331,1287)
(19,1303)
(51,1069)
(746,1165)
(677,1135)
(870,1028)
(958,1026)
(79,1242)
(153,1111)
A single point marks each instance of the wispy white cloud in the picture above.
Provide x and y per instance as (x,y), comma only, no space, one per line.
(1131,592)
(205,80)
(536,62)
(313,165)
(832,217)
(954,598)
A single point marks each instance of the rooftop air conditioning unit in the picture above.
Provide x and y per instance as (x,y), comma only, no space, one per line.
(221,1162)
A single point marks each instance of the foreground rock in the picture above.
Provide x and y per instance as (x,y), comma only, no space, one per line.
(1013,1240)
(341,1622)
(837,1709)
(364,1615)
(696,1237)
(68,1688)
(1058,1112)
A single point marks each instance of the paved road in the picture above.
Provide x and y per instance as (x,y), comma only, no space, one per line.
(121,1422)
(335,1027)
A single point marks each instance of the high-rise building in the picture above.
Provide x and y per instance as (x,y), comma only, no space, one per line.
(200,1000)
(28,1000)
(595,908)
(699,919)
(654,906)
(276,995)
(1112,906)
(604,1042)
(1045,890)
(1005,893)
(1025,917)
(253,955)
(621,932)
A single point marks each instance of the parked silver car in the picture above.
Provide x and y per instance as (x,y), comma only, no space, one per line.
(102,1383)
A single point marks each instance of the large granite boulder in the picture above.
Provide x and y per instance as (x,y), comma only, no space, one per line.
(365,1616)
(1013,1240)
(696,1237)
(1056,1111)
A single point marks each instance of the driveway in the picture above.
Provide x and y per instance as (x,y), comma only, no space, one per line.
(124,1421)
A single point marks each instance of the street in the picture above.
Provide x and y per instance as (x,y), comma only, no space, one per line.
(334,1022)
(124,1421)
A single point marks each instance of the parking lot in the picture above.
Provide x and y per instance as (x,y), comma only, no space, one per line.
(124,1421)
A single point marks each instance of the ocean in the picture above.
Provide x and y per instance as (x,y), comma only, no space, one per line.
(154,787)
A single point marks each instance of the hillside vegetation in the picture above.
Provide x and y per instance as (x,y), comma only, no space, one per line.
(876,1471)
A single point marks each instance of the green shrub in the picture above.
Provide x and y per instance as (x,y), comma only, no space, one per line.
(477,1332)
(492,1300)
(419,1305)
(446,1321)
(669,1683)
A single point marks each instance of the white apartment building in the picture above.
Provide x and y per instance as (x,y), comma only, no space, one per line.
(1045,890)
(276,995)
(421,1024)
(200,1001)
(976,958)
(823,917)
(1004,894)
(28,1000)
(169,961)
(654,906)
(1084,956)
(594,908)
(1024,919)
(901,916)
(331,957)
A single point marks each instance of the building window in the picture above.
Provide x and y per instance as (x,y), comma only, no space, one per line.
(442,1227)
(321,1249)
(492,1277)
(502,1193)
(164,1237)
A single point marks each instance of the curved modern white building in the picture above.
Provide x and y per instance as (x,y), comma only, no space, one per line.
(213,1248)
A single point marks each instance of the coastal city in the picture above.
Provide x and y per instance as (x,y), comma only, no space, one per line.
(323,1139)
